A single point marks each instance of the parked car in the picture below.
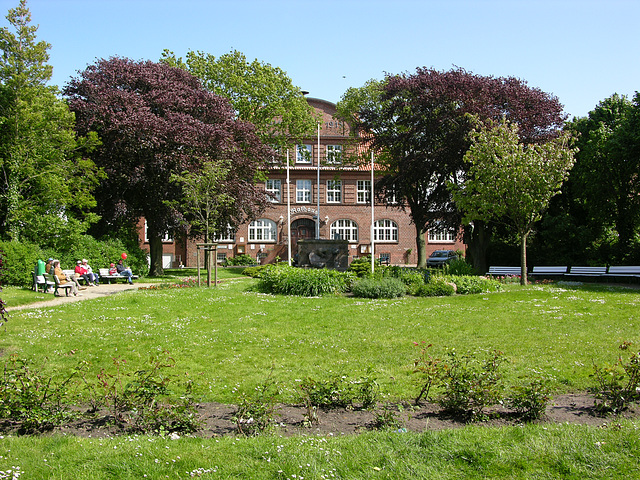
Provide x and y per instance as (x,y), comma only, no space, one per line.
(440,257)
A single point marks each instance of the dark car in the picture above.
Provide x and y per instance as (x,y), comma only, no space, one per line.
(440,257)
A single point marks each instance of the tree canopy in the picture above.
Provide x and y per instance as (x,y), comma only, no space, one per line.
(605,183)
(45,188)
(156,121)
(510,182)
(259,93)
(419,129)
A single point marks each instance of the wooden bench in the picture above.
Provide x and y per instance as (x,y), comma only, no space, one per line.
(548,271)
(587,271)
(104,274)
(58,285)
(501,271)
(623,271)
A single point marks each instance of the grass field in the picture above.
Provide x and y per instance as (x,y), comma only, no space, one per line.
(228,339)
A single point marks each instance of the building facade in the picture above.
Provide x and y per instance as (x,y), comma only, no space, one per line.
(338,206)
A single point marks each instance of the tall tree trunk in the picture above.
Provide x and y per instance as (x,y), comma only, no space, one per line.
(421,247)
(477,239)
(523,258)
(155,253)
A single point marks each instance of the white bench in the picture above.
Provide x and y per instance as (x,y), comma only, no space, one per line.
(104,274)
(548,271)
(66,286)
(623,271)
(496,270)
(587,271)
(46,284)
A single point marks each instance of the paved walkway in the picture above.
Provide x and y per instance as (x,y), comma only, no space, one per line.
(101,290)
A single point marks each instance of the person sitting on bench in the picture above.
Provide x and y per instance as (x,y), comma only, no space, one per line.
(124,271)
(57,271)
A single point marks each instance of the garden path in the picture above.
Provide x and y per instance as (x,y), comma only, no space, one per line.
(101,290)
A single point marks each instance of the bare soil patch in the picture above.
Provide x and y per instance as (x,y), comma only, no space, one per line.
(291,420)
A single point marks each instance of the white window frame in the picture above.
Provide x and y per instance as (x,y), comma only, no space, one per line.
(166,239)
(303,191)
(304,153)
(344,229)
(274,188)
(385,231)
(263,230)
(334,191)
(334,154)
(229,236)
(363,190)
(438,234)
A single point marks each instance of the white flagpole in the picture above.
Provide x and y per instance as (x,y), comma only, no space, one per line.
(288,212)
(373,250)
(318,189)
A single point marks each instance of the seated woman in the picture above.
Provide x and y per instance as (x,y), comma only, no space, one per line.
(57,271)
(124,271)
(83,273)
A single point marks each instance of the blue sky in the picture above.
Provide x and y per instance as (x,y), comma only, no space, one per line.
(582,51)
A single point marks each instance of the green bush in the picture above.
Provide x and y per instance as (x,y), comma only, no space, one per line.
(473,284)
(459,266)
(374,288)
(19,260)
(255,272)
(437,287)
(361,267)
(240,260)
(288,280)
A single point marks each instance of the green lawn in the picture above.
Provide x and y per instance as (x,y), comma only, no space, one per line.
(228,338)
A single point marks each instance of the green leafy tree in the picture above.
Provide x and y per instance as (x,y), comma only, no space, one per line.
(605,182)
(260,93)
(44,186)
(511,182)
(207,200)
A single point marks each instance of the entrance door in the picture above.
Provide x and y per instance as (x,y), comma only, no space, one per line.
(300,230)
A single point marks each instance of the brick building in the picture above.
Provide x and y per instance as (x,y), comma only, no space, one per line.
(343,210)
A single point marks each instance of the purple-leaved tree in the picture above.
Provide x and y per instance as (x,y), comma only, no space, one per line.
(155,122)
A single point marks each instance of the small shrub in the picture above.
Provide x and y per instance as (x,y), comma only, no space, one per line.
(287,280)
(361,267)
(470,384)
(387,418)
(339,391)
(466,285)
(383,288)
(256,413)
(29,395)
(459,266)
(530,399)
(437,287)
(617,384)
(255,272)
(240,260)
(428,370)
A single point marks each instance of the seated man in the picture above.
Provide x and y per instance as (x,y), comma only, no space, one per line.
(124,271)
(57,271)
(83,273)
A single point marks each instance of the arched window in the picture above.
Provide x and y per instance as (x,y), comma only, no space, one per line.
(344,230)
(385,231)
(262,230)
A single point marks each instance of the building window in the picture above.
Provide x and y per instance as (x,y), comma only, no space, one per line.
(304,153)
(273,189)
(334,154)
(228,236)
(334,191)
(385,231)
(441,234)
(303,191)
(221,257)
(364,191)
(263,230)
(344,230)
(165,239)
